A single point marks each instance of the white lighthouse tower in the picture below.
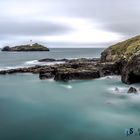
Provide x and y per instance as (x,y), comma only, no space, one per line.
(31,43)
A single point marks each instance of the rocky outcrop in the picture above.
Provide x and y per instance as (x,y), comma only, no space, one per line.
(131,72)
(132,90)
(72,69)
(127,53)
(76,75)
(6,48)
(111,68)
(34,47)
(46,75)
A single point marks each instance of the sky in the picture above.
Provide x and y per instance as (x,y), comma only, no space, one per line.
(73,23)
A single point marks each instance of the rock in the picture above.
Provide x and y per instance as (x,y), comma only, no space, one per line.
(6,48)
(117,89)
(131,72)
(72,69)
(47,60)
(132,90)
(84,60)
(46,75)
(3,72)
(52,60)
(76,75)
(109,68)
(34,47)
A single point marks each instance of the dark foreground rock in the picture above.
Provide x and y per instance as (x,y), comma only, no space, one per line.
(46,75)
(132,90)
(73,69)
(76,75)
(131,72)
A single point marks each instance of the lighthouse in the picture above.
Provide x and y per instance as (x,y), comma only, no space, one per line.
(31,42)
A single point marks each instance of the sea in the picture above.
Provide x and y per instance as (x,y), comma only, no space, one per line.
(34,109)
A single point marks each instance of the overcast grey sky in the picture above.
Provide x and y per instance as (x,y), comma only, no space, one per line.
(95,22)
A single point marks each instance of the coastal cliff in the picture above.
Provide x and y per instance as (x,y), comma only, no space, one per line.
(121,51)
(34,47)
(127,52)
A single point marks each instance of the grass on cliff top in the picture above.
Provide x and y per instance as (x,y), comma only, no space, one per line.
(126,48)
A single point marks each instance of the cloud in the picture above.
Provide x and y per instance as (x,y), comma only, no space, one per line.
(25,28)
(68,21)
(85,31)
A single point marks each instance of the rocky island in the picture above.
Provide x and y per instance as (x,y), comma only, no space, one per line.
(120,59)
(33,47)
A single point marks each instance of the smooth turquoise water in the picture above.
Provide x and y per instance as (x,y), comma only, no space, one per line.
(32,109)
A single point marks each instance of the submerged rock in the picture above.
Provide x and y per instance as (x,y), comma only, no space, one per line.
(47,60)
(116,89)
(132,90)
(52,60)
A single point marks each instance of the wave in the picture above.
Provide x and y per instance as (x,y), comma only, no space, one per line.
(67,86)
(110,77)
(123,90)
(36,62)
(10,67)
(50,80)
(117,90)
(30,64)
